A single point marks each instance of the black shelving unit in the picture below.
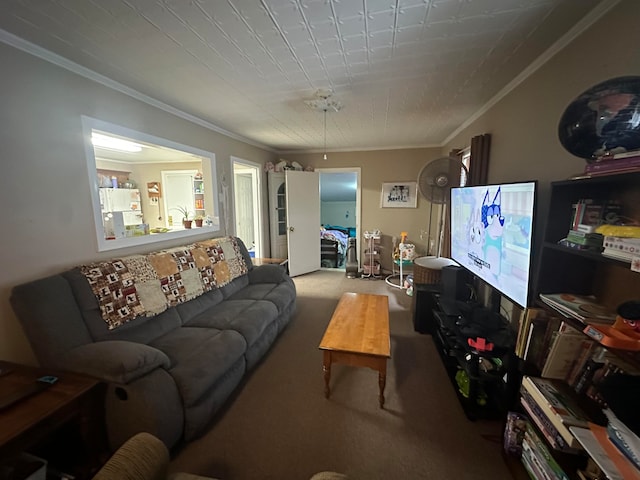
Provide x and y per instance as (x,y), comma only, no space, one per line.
(488,395)
(561,269)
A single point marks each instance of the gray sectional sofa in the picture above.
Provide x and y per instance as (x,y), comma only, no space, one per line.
(167,370)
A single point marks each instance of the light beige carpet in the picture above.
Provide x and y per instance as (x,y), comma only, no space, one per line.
(280,426)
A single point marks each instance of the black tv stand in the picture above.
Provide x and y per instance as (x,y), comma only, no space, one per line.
(477,375)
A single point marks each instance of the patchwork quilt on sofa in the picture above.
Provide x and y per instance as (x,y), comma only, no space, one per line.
(146,285)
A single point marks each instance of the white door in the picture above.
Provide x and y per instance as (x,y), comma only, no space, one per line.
(278,214)
(303,221)
(178,192)
(247,205)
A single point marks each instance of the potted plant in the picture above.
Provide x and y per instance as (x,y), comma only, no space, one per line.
(185,215)
(199,219)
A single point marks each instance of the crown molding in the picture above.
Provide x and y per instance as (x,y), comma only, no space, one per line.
(579,28)
(58,60)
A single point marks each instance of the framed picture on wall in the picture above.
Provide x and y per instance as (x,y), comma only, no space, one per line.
(399,195)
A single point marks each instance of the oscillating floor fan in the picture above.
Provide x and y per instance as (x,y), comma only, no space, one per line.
(434,183)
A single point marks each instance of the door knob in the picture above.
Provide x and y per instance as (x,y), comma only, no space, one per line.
(291,229)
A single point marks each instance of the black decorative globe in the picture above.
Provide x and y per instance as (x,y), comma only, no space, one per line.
(604,120)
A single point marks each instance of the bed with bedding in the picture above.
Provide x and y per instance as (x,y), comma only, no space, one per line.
(333,245)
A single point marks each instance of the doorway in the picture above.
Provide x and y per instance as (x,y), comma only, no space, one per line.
(179,199)
(340,198)
(247,196)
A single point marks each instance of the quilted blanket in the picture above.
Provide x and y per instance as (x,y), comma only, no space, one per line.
(146,285)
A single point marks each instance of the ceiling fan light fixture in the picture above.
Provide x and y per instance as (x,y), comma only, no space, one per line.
(323,103)
(324,156)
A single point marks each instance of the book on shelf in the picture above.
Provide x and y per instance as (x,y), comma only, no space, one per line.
(536,462)
(532,469)
(549,464)
(613,463)
(614,164)
(536,336)
(555,402)
(581,307)
(583,238)
(585,248)
(565,347)
(547,428)
(584,378)
(551,421)
(623,437)
(618,255)
(618,155)
(584,354)
(513,433)
(621,248)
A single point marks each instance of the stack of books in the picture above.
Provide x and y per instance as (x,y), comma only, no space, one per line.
(621,248)
(618,163)
(614,448)
(536,458)
(583,241)
(584,308)
(553,412)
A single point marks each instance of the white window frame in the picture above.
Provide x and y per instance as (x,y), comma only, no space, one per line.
(89,124)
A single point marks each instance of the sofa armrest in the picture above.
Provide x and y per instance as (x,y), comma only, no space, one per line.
(114,361)
(142,457)
(268,273)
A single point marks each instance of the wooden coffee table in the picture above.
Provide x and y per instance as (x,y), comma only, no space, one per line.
(358,335)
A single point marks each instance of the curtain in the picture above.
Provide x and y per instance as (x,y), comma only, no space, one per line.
(479,164)
(478,174)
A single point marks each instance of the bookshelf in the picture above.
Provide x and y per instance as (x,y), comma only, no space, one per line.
(565,269)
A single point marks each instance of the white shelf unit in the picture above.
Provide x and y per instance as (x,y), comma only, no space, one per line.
(371,265)
(198,197)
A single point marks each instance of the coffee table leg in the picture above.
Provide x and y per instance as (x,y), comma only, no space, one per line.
(326,369)
(382,382)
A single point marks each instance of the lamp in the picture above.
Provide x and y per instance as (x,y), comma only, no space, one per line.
(323,102)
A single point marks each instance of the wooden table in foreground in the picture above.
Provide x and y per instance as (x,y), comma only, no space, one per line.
(36,418)
(358,335)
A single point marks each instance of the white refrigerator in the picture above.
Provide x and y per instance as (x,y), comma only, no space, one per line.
(120,207)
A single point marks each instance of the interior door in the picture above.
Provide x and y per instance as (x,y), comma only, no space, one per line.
(303,221)
(243,196)
(178,192)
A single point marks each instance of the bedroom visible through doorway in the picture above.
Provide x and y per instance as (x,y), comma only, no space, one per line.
(339,214)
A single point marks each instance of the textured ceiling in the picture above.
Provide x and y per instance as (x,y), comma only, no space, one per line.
(407,72)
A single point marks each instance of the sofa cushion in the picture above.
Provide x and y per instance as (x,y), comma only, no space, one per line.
(190,309)
(248,317)
(280,294)
(235,286)
(268,273)
(200,357)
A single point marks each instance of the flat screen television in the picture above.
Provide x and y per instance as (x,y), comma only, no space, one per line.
(492,235)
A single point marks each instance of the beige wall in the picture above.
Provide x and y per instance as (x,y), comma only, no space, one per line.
(523,125)
(47,219)
(45,192)
(377,167)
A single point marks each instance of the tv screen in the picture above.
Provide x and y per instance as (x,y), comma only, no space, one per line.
(491,235)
